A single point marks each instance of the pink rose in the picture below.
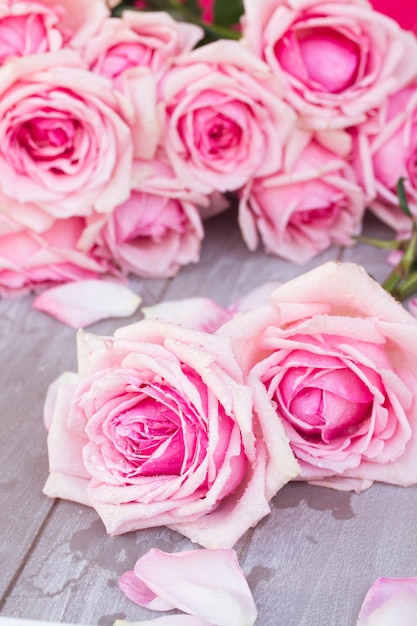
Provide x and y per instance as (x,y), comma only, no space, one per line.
(157,429)
(36,26)
(224,119)
(402,11)
(312,203)
(157,230)
(30,260)
(304,41)
(336,354)
(65,139)
(133,52)
(392,132)
(139,39)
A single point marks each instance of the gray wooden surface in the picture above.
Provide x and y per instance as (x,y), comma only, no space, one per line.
(309,563)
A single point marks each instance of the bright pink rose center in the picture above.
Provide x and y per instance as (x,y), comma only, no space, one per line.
(325,405)
(323,58)
(215,133)
(161,434)
(49,137)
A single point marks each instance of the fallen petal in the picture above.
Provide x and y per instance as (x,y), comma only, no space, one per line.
(389,602)
(85,302)
(206,583)
(167,620)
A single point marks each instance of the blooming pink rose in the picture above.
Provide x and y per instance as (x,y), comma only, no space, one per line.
(161,581)
(402,11)
(224,119)
(33,26)
(338,59)
(159,430)
(157,230)
(30,260)
(392,132)
(390,601)
(139,39)
(336,354)
(311,204)
(65,139)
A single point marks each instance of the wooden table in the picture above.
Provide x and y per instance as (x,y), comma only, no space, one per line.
(309,563)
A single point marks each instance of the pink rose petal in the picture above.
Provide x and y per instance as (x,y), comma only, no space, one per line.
(85,302)
(206,583)
(389,602)
(166,620)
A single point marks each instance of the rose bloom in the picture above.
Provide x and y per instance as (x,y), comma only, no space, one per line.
(37,26)
(139,39)
(336,354)
(224,119)
(156,231)
(338,59)
(31,260)
(133,52)
(392,131)
(158,429)
(314,202)
(65,139)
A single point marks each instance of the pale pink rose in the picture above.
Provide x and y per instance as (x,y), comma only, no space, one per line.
(159,431)
(224,119)
(30,260)
(65,137)
(78,19)
(390,601)
(314,202)
(162,581)
(139,39)
(402,11)
(336,354)
(157,230)
(387,151)
(338,59)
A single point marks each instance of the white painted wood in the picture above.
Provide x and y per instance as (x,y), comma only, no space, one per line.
(309,563)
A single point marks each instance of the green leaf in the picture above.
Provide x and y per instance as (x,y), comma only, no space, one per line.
(227,12)
(402,197)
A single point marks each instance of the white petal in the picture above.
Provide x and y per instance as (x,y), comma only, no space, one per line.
(84,302)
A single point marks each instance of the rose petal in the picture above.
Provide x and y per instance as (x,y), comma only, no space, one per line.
(196,313)
(390,601)
(206,583)
(166,620)
(84,302)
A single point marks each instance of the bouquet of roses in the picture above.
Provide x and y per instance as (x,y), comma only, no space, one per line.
(120,133)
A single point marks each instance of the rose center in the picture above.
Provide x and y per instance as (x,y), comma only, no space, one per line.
(48,138)
(161,434)
(322,404)
(324,58)
(216,133)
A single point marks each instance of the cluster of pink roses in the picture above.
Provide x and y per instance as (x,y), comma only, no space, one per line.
(197,430)
(118,134)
